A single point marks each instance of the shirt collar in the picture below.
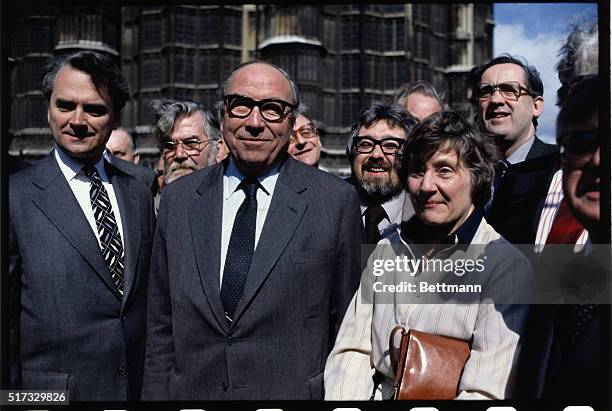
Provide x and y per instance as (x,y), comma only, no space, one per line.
(72,169)
(393,207)
(234,176)
(520,154)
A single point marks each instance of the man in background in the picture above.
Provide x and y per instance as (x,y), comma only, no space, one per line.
(420,99)
(305,143)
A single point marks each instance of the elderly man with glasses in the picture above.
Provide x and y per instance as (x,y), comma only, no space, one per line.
(305,143)
(256,260)
(508,95)
(372,146)
(188,135)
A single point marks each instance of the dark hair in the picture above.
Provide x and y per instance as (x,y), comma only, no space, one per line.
(220,106)
(303,111)
(104,73)
(581,102)
(393,114)
(450,129)
(419,87)
(578,56)
(532,77)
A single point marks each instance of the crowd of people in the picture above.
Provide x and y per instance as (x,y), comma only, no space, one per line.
(234,270)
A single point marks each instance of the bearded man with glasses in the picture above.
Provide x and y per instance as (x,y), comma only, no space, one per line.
(372,147)
(508,95)
(256,260)
(189,137)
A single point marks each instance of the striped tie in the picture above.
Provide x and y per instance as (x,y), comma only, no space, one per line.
(110,238)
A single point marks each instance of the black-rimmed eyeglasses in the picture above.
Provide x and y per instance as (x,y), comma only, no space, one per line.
(510,90)
(271,109)
(390,145)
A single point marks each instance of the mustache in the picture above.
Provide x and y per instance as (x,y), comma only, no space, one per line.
(378,163)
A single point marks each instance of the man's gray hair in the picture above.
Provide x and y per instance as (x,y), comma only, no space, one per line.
(168,111)
(223,90)
(129,137)
(579,56)
(420,87)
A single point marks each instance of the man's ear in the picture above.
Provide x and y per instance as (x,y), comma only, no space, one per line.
(136,157)
(538,106)
(221,151)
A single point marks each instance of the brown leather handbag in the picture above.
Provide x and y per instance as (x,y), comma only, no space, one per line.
(428,366)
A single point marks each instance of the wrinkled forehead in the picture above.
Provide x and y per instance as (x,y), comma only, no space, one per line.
(382,128)
(504,72)
(260,81)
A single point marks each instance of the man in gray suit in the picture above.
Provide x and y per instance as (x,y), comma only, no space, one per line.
(254,260)
(80,232)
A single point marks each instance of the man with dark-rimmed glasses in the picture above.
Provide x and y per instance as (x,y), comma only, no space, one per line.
(373,144)
(188,135)
(256,260)
(508,95)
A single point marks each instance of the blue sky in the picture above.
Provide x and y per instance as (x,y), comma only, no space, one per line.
(536,31)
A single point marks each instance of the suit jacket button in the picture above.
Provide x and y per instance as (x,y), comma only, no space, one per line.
(224,386)
(229,341)
(121,370)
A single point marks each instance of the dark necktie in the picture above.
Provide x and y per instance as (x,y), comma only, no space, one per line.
(240,250)
(501,168)
(374,214)
(110,238)
(565,228)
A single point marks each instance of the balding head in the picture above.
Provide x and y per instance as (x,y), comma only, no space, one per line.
(121,144)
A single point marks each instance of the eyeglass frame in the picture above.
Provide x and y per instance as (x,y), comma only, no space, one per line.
(358,139)
(581,157)
(258,104)
(496,87)
(172,153)
(315,132)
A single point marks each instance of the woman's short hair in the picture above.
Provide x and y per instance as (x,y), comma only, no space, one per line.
(449,130)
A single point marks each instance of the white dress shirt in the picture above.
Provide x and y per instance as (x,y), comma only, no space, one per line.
(233,198)
(520,154)
(80,185)
(393,207)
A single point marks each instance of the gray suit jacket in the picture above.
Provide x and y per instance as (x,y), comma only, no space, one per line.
(304,273)
(142,173)
(70,329)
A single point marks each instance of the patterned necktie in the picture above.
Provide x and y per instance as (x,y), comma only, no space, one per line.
(240,250)
(374,214)
(110,238)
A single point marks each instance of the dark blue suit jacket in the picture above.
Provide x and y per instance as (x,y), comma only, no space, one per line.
(304,273)
(70,329)
(519,199)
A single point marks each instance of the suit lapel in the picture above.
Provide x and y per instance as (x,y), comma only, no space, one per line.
(206,210)
(286,210)
(56,200)
(130,220)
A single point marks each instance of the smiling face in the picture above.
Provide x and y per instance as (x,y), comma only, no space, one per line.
(510,120)
(440,191)
(254,143)
(80,116)
(305,144)
(120,145)
(376,172)
(581,177)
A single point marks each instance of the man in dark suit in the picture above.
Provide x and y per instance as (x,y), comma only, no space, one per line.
(566,346)
(508,95)
(80,232)
(255,260)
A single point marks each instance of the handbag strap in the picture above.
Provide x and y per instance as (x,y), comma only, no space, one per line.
(392,355)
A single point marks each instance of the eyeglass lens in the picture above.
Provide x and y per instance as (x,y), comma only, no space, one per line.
(271,110)
(508,90)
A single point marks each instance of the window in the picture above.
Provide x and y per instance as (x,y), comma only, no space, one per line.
(209,68)
(421,13)
(350,72)
(209,24)
(151,32)
(184,26)
(151,71)
(183,67)
(350,33)
(232,29)
(307,68)
(421,43)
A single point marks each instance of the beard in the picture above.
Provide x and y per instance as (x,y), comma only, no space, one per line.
(377,190)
